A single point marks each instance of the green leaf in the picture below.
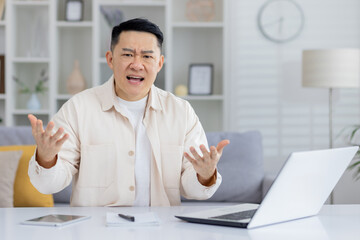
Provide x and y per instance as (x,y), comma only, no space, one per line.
(353,133)
(354,165)
(357,174)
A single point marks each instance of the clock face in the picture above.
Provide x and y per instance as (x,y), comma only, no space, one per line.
(281,20)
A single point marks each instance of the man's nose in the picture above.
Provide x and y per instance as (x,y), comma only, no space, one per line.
(137,63)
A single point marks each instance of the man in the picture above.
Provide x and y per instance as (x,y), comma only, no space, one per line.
(123,142)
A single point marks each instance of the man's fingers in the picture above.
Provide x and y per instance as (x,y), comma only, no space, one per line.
(58,133)
(188,157)
(221,145)
(61,141)
(213,152)
(49,129)
(39,127)
(32,120)
(195,154)
(204,151)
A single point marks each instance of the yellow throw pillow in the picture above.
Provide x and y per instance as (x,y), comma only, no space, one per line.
(25,194)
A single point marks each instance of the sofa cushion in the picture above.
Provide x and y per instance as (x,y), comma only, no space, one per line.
(25,194)
(241,167)
(64,195)
(8,165)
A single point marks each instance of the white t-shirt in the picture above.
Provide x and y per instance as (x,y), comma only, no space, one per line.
(135,112)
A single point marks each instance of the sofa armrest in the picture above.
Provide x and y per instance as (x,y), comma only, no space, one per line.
(268,180)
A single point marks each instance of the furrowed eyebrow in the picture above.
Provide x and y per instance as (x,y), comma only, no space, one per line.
(128,50)
(147,51)
(133,51)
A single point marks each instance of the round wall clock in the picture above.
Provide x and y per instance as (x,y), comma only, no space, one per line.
(280,20)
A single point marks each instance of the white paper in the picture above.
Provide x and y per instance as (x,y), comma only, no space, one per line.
(141,219)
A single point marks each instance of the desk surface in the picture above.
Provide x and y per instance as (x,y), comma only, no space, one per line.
(333,222)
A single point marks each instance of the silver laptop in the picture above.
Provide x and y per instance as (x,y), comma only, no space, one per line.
(300,189)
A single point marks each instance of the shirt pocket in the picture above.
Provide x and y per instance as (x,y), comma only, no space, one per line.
(171,165)
(97,165)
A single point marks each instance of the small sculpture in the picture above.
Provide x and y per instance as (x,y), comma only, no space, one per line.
(181,91)
(76,81)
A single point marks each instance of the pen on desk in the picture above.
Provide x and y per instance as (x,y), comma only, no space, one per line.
(127,217)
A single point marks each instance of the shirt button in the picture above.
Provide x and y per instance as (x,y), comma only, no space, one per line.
(131,153)
(131,188)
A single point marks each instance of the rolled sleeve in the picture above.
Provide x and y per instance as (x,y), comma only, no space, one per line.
(44,179)
(195,136)
(193,189)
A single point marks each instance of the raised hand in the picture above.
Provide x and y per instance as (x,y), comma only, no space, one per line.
(205,166)
(48,144)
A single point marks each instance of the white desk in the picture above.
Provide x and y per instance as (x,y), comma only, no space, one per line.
(333,222)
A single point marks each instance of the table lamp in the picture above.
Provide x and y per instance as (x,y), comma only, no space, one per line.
(331,68)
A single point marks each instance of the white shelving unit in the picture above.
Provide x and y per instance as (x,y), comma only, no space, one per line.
(27,53)
(199,42)
(186,42)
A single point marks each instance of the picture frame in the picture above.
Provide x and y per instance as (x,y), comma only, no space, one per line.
(2,74)
(200,79)
(74,10)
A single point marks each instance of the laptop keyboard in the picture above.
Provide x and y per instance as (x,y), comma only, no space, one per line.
(237,215)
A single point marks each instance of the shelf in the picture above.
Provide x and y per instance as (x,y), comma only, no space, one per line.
(31,60)
(135,4)
(31,3)
(198,25)
(205,97)
(74,24)
(41,39)
(27,111)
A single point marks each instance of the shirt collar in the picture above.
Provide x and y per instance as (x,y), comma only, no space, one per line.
(108,98)
(154,99)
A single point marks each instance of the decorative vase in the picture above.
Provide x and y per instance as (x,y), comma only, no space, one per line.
(200,10)
(76,81)
(34,102)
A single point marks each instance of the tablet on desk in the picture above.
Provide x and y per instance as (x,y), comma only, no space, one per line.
(56,220)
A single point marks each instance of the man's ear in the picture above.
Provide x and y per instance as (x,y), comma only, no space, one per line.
(109,59)
(161,62)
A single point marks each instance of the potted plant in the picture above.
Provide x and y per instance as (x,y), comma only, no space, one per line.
(33,103)
(352,137)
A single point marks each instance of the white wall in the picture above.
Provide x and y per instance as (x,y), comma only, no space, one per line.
(265,83)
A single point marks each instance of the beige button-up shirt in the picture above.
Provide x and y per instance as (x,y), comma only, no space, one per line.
(99,154)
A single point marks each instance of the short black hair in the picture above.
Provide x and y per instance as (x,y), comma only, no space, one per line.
(136,24)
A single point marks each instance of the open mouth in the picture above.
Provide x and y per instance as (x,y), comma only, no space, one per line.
(134,78)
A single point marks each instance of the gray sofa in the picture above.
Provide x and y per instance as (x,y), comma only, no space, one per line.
(241,165)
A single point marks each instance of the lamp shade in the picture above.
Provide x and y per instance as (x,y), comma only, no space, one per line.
(333,68)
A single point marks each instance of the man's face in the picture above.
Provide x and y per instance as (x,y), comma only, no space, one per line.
(135,61)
